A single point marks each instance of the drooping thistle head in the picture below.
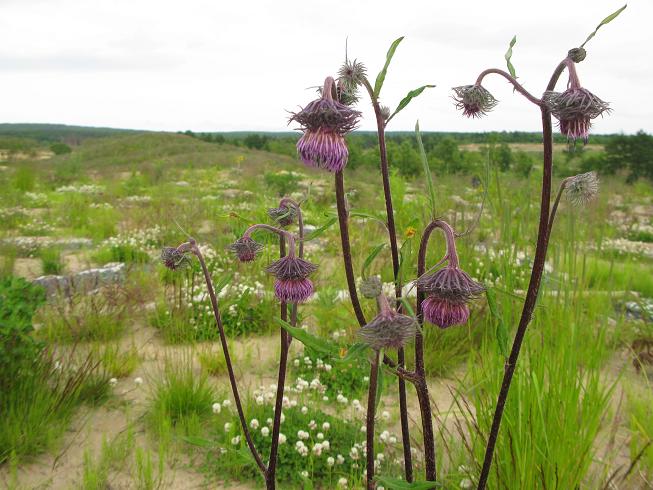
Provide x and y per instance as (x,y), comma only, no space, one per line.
(582,188)
(284,215)
(245,248)
(325,122)
(388,329)
(292,284)
(474,100)
(174,258)
(575,107)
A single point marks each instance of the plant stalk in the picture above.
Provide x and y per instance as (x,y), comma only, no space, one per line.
(371,413)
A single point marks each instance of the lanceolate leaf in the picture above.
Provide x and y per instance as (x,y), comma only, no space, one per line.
(427,170)
(502,331)
(361,214)
(220,285)
(318,231)
(370,258)
(309,340)
(605,21)
(406,100)
(508,55)
(396,484)
(380,78)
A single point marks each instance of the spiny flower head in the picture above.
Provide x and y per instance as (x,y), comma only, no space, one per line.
(450,283)
(245,248)
(474,100)
(350,76)
(284,215)
(292,284)
(575,108)
(325,121)
(173,258)
(582,188)
(444,313)
(388,329)
(371,287)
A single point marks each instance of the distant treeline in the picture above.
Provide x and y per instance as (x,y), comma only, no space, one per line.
(628,154)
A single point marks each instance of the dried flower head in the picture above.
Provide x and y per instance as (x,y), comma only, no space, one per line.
(174,259)
(245,248)
(292,284)
(450,283)
(474,100)
(371,287)
(283,215)
(325,121)
(444,313)
(582,188)
(350,76)
(575,108)
(388,329)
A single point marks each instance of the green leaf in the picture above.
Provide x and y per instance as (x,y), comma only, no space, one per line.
(407,307)
(508,55)
(380,78)
(605,21)
(502,331)
(370,258)
(220,285)
(199,441)
(357,351)
(362,214)
(309,340)
(318,231)
(380,382)
(396,484)
(427,170)
(406,100)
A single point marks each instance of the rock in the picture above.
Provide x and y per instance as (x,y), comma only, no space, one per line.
(82,282)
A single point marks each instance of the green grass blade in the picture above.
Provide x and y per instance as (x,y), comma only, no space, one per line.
(427,170)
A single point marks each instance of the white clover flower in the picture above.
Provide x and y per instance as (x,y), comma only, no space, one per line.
(216,407)
(340,459)
(392,440)
(330,461)
(282,419)
(265,431)
(227,426)
(320,436)
(366,379)
(269,421)
(304,474)
(302,434)
(282,438)
(286,402)
(353,453)
(384,436)
(327,367)
(138,381)
(312,425)
(342,482)
(317,449)
(226,403)
(385,415)
(254,424)
(296,363)
(113,382)
(293,403)
(304,410)
(363,428)
(466,483)
(341,399)
(326,445)
(326,426)
(235,440)
(380,456)
(260,400)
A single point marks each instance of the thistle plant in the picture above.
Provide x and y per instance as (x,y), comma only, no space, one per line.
(574,108)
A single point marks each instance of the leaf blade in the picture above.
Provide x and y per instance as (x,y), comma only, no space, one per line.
(407,99)
(380,78)
(309,340)
(508,55)
(605,21)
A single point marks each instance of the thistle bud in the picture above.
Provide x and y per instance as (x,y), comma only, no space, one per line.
(174,259)
(245,249)
(283,215)
(474,100)
(371,287)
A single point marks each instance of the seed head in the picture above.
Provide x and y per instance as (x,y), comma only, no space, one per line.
(582,188)
(173,259)
(283,215)
(371,287)
(245,248)
(575,108)
(350,76)
(444,313)
(388,329)
(451,284)
(474,100)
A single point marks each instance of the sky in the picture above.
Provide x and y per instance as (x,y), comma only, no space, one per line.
(241,65)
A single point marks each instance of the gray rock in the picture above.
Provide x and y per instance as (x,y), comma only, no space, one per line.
(82,282)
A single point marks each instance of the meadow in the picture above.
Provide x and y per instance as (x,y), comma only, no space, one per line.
(125,386)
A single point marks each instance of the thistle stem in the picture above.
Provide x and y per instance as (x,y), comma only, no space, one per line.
(225,349)
(394,251)
(371,413)
(346,247)
(534,283)
(285,338)
(518,86)
(554,209)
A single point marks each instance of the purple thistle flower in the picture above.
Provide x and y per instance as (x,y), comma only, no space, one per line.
(388,329)
(173,258)
(474,100)
(450,283)
(245,248)
(443,312)
(575,108)
(283,215)
(292,284)
(325,121)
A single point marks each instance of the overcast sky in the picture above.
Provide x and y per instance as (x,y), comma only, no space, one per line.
(241,65)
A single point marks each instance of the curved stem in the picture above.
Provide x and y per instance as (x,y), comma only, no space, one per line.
(371,412)
(518,86)
(533,285)
(270,474)
(346,248)
(282,233)
(225,349)
(300,226)
(394,251)
(554,209)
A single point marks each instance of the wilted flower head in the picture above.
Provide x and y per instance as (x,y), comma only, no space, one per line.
(371,287)
(388,329)
(582,188)
(245,248)
(284,215)
(575,107)
(292,284)
(450,283)
(325,121)
(474,100)
(350,76)
(173,258)
(444,313)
